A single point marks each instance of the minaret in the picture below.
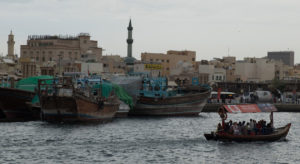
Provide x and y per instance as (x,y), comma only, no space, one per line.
(10,46)
(129,40)
(129,60)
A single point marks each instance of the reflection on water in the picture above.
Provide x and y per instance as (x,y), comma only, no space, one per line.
(143,140)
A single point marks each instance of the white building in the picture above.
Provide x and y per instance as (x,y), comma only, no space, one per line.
(215,74)
(182,67)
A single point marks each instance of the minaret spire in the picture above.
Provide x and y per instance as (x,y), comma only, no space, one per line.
(129,60)
(129,39)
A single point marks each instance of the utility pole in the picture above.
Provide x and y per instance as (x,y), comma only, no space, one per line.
(59,62)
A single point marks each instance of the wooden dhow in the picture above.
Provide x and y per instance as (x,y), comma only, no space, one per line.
(61,102)
(18,100)
(14,105)
(158,99)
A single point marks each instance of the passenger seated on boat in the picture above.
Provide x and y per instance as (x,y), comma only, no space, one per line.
(255,129)
(248,128)
(263,127)
(226,128)
(251,124)
(244,129)
(235,128)
(240,127)
(258,128)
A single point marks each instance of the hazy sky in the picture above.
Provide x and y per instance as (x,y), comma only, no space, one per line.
(246,27)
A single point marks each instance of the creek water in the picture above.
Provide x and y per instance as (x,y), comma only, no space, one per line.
(144,140)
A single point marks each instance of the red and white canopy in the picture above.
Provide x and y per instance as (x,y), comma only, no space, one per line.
(250,108)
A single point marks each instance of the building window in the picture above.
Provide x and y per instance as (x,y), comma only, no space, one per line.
(37,52)
(43,59)
(168,69)
(167,61)
(193,59)
(162,60)
(37,58)
(151,60)
(50,58)
(24,52)
(61,52)
(84,41)
(50,52)
(156,59)
(70,53)
(212,77)
(43,52)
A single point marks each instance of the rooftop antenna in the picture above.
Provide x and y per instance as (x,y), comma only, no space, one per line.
(228,51)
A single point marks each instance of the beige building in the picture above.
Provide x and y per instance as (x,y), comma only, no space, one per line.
(170,60)
(41,49)
(255,70)
(282,70)
(152,70)
(92,68)
(9,68)
(113,64)
(187,78)
(227,63)
(28,67)
(229,66)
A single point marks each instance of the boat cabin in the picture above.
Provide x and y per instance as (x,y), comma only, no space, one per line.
(225,97)
(156,87)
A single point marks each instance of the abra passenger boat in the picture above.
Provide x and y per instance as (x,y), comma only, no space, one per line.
(158,99)
(275,135)
(61,102)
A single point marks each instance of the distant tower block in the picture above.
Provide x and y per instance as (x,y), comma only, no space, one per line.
(10,46)
(129,60)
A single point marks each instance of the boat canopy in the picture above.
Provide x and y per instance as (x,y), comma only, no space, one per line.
(250,108)
(107,88)
(31,83)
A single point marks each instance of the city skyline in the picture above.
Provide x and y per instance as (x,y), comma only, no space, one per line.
(247,29)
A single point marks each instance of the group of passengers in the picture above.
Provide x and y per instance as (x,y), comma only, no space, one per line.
(250,128)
